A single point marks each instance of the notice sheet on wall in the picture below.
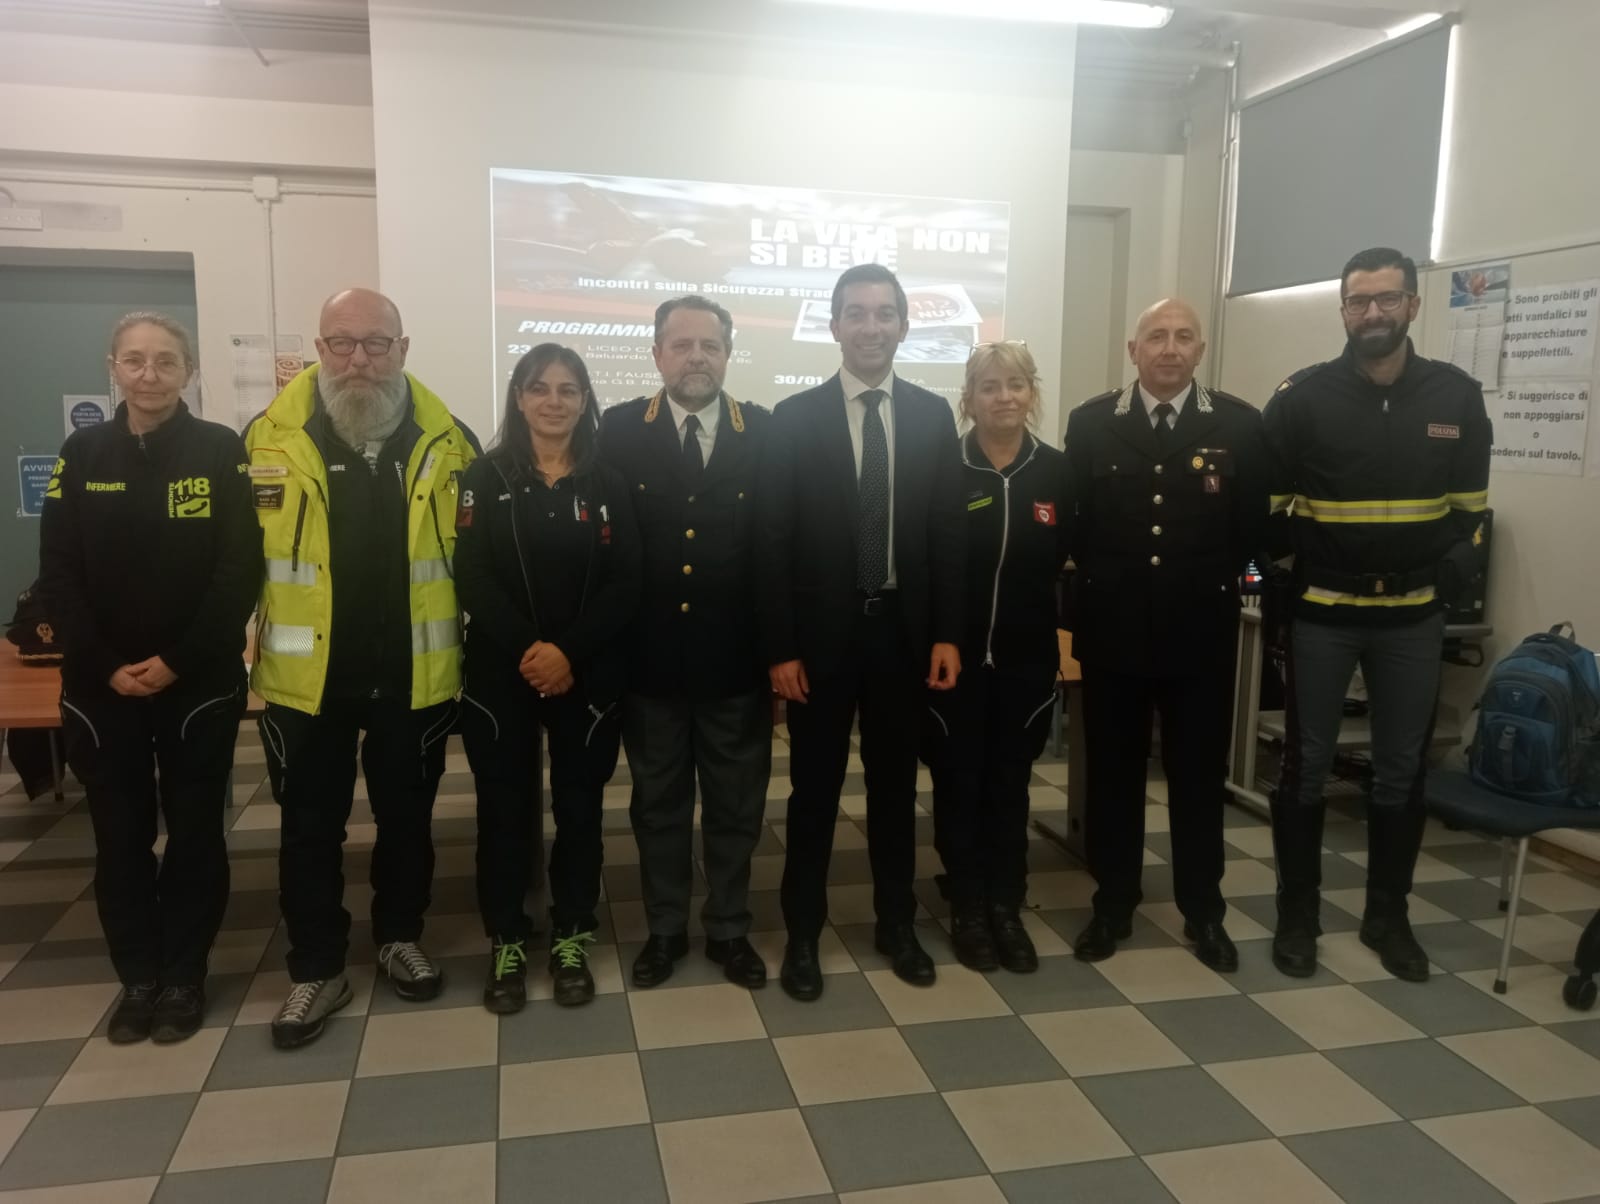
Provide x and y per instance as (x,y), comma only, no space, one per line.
(1541,426)
(1550,330)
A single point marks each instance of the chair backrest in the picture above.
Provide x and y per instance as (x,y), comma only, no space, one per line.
(1538,732)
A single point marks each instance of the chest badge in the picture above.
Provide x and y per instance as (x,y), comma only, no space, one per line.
(1045,512)
(189,498)
(1197,463)
(1442,430)
(1213,483)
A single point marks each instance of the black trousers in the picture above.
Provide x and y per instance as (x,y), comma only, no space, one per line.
(727,744)
(172,752)
(980,741)
(312,759)
(886,689)
(1196,719)
(500,721)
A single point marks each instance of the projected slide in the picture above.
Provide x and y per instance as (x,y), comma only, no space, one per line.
(585,260)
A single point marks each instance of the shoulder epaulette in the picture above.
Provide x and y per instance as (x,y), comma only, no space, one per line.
(1296,377)
(1108,395)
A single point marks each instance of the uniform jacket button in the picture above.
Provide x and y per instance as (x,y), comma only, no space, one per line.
(1155,560)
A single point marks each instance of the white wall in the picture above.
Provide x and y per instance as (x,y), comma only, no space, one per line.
(172,173)
(876,117)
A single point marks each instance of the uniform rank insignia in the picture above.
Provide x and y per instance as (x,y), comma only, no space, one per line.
(189,498)
(268,497)
(980,503)
(1197,463)
(1213,482)
(1045,512)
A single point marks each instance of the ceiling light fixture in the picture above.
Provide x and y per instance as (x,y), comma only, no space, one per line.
(1125,13)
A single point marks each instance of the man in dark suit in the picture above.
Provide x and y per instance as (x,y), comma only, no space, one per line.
(862,558)
(697,701)
(1168,482)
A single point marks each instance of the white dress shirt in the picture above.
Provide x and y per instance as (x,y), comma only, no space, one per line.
(707,414)
(1151,401)
(855,412)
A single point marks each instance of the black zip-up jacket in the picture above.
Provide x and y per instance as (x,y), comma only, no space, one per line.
(506,580)
(149,546)
(1378,490)
(1016,544)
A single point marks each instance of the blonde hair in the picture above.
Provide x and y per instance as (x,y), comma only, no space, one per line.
(1011,356)
(145,317)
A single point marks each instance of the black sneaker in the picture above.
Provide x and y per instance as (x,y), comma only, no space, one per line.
(410,971)
(178,1013)
(305,1012)
(569,969)
(506,990)
(135,1009)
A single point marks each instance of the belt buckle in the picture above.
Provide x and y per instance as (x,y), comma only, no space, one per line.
(1377,585)
(872,605)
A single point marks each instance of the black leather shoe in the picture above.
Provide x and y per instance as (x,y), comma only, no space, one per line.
(177,1015)
(1294,948)
(1212,945)
(1013,946)
(971,938)
(1099,938)
(505,990)
(654,964)
(801,976)
(572,983)
(907,958)
(1390,936)
(739,961)
(136,1008)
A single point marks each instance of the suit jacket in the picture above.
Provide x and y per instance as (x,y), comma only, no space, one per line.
(1160,540)
(695,632)
(808,513)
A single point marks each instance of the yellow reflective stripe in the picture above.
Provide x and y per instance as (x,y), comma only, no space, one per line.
(434,569)
(1377,510)
(287,640)
(436,635)
(1280,501)
(1328,597)
(1477,500)
(286,572)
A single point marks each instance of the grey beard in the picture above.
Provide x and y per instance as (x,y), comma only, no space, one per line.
(360,414)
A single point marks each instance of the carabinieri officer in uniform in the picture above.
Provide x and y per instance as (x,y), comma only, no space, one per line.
(151,559)
(981,739)
(1169,486)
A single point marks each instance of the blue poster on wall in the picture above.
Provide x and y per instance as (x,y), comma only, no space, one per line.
(33,478)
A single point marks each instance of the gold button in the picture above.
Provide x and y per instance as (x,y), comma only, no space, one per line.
(641,486)
(741,495)
(687,569)
(684,608)
(1155,530)
(1160,468)
(691,497)
(1155,560)
(689,534)
(1156,499)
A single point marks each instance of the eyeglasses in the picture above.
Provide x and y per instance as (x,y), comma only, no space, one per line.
(1356,303)
(374,346)
(165,366)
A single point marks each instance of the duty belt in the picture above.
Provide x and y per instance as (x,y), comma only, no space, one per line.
(1372,585)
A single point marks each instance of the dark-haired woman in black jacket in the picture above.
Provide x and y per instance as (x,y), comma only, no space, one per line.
(547,569)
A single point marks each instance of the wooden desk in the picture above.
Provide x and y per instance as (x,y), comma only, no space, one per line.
(1066,829)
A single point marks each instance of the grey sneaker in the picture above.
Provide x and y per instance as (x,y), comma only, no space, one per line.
(410,971)
(307,1009)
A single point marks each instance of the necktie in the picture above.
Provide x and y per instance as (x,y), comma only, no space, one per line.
(693,460)
(1164,411)
(872,519)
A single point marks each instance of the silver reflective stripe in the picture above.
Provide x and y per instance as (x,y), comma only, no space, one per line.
(435,636)
(423,571)
(465,697)
(284,640)
(286,572)
(943,726)
(92,731)
(183,731)
(1048,702)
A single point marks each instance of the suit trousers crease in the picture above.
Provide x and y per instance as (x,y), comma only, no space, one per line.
(136,757)
(312,760)
(726,744)
(879,682)
(1196,717)
(501,720)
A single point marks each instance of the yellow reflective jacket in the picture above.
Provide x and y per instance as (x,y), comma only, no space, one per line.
(295,614)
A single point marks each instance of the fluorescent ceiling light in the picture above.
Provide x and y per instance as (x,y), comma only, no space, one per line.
(1416,22)
(1054,12)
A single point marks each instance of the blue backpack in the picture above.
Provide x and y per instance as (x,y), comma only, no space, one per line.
(1538,734)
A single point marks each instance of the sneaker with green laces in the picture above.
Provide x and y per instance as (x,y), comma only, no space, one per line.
(506,990)
(569,968)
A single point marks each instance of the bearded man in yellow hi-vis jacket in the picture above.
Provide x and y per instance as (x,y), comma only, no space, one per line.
(354,469)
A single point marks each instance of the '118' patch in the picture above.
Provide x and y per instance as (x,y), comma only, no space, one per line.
(189,498)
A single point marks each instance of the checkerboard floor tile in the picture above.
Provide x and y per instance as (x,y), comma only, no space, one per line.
(1145,1078)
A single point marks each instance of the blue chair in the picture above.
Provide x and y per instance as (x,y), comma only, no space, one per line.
(1459,802)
